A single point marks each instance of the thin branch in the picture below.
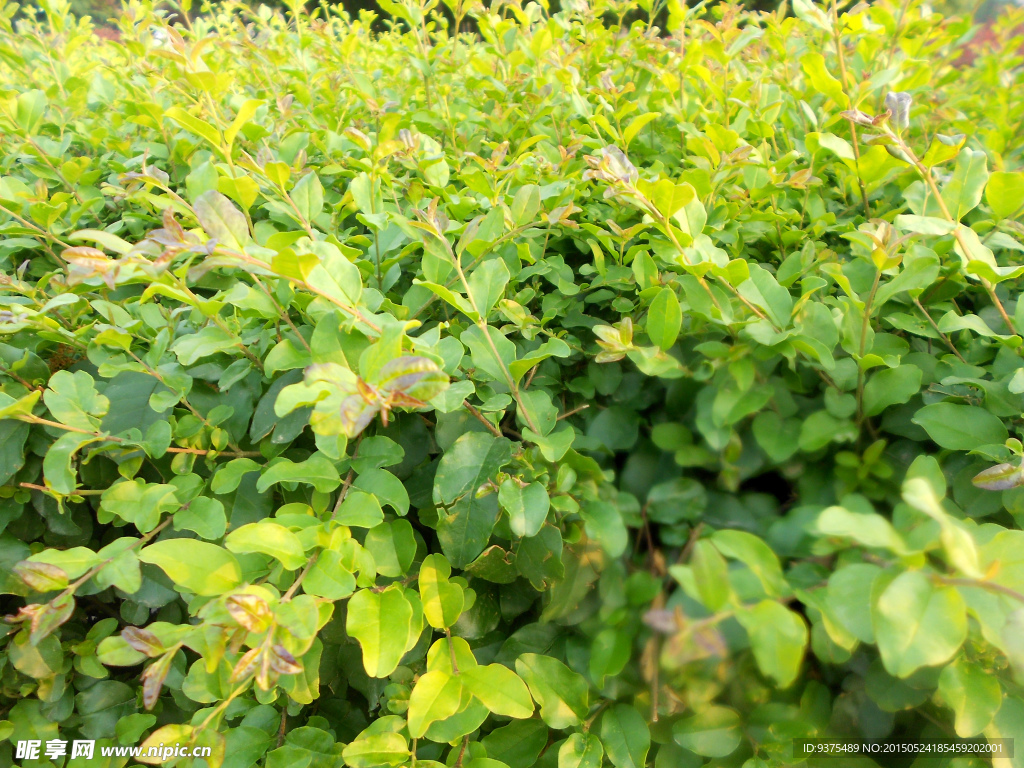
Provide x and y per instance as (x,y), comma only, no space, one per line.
(981,584)
(935,327)
(482,419)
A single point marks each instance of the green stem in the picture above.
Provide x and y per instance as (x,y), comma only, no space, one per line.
(864,326)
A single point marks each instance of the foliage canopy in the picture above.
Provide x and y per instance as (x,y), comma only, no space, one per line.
(569,395)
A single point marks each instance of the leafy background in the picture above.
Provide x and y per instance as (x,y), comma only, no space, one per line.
(566,395)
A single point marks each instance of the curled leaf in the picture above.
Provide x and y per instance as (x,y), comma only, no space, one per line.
(246,665)
(43,619)
(611,166)
(858,117)
(408,381)
(153,679)
(251,611)
(42,577)
(85,261)
(898,102)
(282,661)
(143,641)
(1001,477)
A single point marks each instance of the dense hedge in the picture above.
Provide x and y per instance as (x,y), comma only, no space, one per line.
(564,396)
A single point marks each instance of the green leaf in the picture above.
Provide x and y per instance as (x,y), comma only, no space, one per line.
(457,300)
(813,65)
(670,199)
(329,578)
(308,196)
(866,528)
(317,471)
(376,749)
(973,694)
(777,436)
(205,516)
(917,274)
(484,358)
(436,696)
(664,319)
(561,693)
(849,599)
(194,125)
(713,732)
(381,622)
(471,461)
(122,566)
(334,274)
(465,528)
(269,539)
(386,487)
(636,125)
(199,567)
(965,187)
(245,114)
(517,744)
(139,502)
(925,225)
(13,435)
(1005,193)
(360,510)
(58,466)
(943,149)
(393,547)
(711,573)
(525,205)
(840,147)
(442,601)
(1008,722)
(74,562)
(581,750)
(285,356)
(550,348)
(500,689)
(73,400)
(778,637)
(960,427)
(221,220)
(756,555)
(527,506)
(625,736)
(604,524)
(918,623)
(487,285)
(763,290)
(208,341)
(891,386)
(30,109)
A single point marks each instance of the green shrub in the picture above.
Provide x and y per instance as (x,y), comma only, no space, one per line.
(563,396)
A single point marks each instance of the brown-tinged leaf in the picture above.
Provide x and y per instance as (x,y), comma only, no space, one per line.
(143,641)
(246,665)
(44,622)
(153,679)
(251,611)
(282,661)
(42,577)
(1001,477)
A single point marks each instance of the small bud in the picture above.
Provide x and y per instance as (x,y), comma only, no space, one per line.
(858,117)
(898,102)
(1001,477)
